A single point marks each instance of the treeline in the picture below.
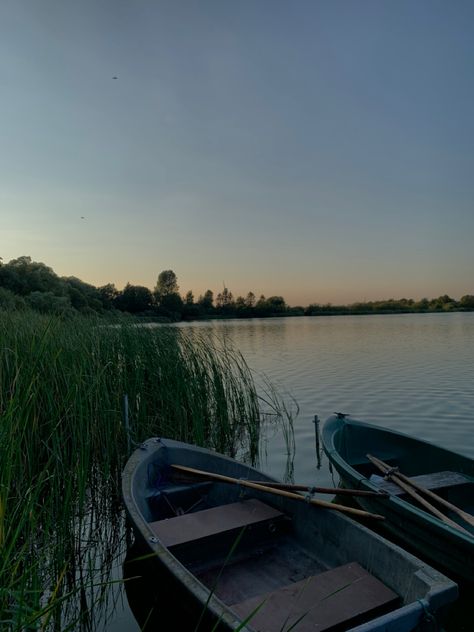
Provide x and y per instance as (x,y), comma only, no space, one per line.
(395,306)
(26,283)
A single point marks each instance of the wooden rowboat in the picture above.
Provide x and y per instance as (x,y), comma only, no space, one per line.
(430,502)
(242,556)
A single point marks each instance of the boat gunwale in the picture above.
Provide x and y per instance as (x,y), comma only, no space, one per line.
(336,423)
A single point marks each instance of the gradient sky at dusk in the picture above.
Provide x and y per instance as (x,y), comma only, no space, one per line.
(319,150)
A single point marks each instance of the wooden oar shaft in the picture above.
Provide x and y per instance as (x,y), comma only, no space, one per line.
(442,501)
(278,492)
(340,491)
(385,469)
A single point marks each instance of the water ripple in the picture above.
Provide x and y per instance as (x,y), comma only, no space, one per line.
(413,373)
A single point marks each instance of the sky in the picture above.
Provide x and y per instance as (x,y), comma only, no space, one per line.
(322,150)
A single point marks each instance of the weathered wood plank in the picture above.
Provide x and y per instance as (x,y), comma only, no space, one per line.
(436,480)
(196,526)
(333,600)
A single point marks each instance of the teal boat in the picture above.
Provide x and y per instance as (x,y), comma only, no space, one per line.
(225,551)
(447,540)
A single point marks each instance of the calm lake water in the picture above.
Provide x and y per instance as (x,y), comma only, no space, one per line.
(410,372)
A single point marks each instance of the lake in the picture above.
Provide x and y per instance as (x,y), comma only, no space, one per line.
(409,372)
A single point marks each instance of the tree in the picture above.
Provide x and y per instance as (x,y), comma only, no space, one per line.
(276,305)
(261,306)
(135,299)
(167,299)
(444,302)
(47,302)
(225,302)
(240,305)
(467,301)
(84,297)
(171,305)
(224,299)
(250,300)
(10,301)
(190,311)
(167,284)
(23,276)
(245,306)
(206,301)
(108,294)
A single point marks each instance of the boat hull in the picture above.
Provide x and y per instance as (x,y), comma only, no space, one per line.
(347,442)
(335,538)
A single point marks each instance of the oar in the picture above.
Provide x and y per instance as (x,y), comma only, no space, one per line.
(387,470)
(340,491)
(278,492)
(462,514)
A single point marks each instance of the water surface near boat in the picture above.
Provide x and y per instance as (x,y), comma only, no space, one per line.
(410,372)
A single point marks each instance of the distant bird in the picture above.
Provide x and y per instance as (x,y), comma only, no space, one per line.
(114,77)
(82,217)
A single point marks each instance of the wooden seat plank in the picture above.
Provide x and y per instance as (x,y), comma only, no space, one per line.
(331,601)
(196,526)
(436,480)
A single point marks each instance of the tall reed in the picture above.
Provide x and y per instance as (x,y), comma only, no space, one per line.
(63,443)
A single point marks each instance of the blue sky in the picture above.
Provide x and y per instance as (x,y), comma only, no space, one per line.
(320,150)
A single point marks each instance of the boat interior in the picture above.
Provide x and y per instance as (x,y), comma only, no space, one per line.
(455,487)
(262,561)
(435,469)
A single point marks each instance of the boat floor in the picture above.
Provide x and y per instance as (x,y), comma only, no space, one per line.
(248,555)
(264,570)
(283,585)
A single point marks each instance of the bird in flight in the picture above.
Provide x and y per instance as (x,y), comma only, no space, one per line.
(114,77)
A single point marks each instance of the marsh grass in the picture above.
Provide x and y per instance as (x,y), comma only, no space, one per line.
(63,444)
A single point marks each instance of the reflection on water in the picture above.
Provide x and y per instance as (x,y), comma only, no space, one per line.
(412,372)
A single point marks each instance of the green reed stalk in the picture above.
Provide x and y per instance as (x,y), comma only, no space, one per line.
(63,445)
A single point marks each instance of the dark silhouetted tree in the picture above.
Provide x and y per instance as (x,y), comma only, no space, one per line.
(250,300)
(10,301)
(23,276)
(171,305)
(167,284)
(190,310)
(206,302)
(167,299)
(135,299)
(467,301)
(83,296)
(47,302)
(108,295)
(225,300)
